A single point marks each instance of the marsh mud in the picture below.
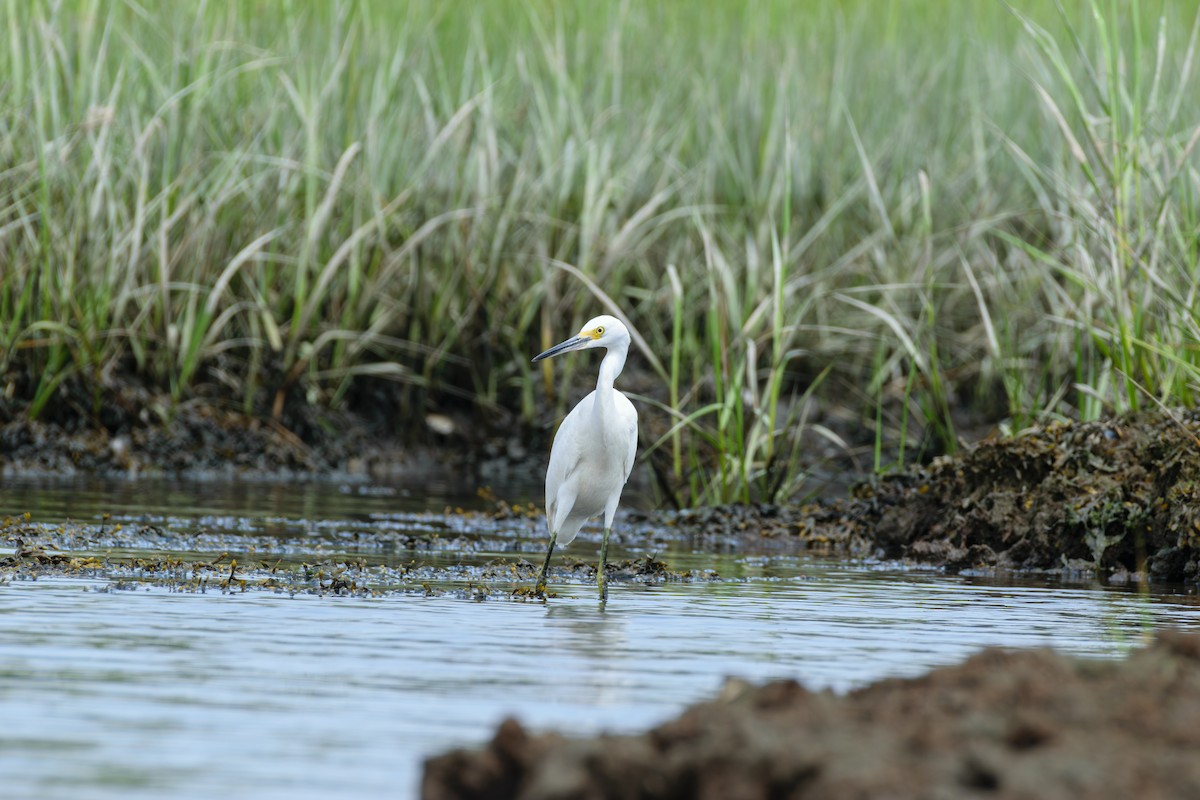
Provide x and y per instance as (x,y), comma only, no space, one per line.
(1120,498)
(136,432)
(1004,724)
(207,441)
(475,555)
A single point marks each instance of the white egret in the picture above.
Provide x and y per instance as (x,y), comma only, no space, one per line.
(594,448)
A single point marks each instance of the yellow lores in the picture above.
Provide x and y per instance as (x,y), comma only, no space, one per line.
(594,448)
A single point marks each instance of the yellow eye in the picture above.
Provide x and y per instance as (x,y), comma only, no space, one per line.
(600,331)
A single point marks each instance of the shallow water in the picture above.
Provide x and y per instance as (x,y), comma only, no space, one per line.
(150,692)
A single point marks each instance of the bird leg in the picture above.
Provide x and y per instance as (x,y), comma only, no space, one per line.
(600,577)
(540,586)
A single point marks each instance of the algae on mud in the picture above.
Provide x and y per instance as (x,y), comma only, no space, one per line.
(423,554)
(1120,497)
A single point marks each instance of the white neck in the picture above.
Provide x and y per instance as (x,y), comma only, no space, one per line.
(610,367)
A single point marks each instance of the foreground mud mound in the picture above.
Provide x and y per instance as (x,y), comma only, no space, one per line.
(1002,724)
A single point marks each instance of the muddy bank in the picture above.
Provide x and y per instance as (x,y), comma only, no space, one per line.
(204,441)
(1002,724)
(1120,497)
(129,427)
(428,554)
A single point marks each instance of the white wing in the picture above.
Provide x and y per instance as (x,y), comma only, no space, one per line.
(629,419)
(576,474)
(564,456)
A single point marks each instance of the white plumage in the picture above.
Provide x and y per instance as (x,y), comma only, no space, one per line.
(594,449)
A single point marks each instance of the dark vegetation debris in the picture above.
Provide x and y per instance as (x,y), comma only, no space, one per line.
(1119,497)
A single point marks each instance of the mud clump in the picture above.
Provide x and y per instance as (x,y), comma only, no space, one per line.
(1120,498)
(1002,724)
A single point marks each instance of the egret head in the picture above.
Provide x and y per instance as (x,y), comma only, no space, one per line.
(601,331)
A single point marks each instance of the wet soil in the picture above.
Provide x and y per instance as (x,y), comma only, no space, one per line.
(1120,498)
(415,554)
(1002,724)
(138,436)
(195,441)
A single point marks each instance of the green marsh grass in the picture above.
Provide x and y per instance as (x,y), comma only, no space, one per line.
(886,214)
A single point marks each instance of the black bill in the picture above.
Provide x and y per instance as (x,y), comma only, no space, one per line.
(574,343)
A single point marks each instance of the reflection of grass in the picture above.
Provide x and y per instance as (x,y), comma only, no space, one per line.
(1128,617)
(896,211)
